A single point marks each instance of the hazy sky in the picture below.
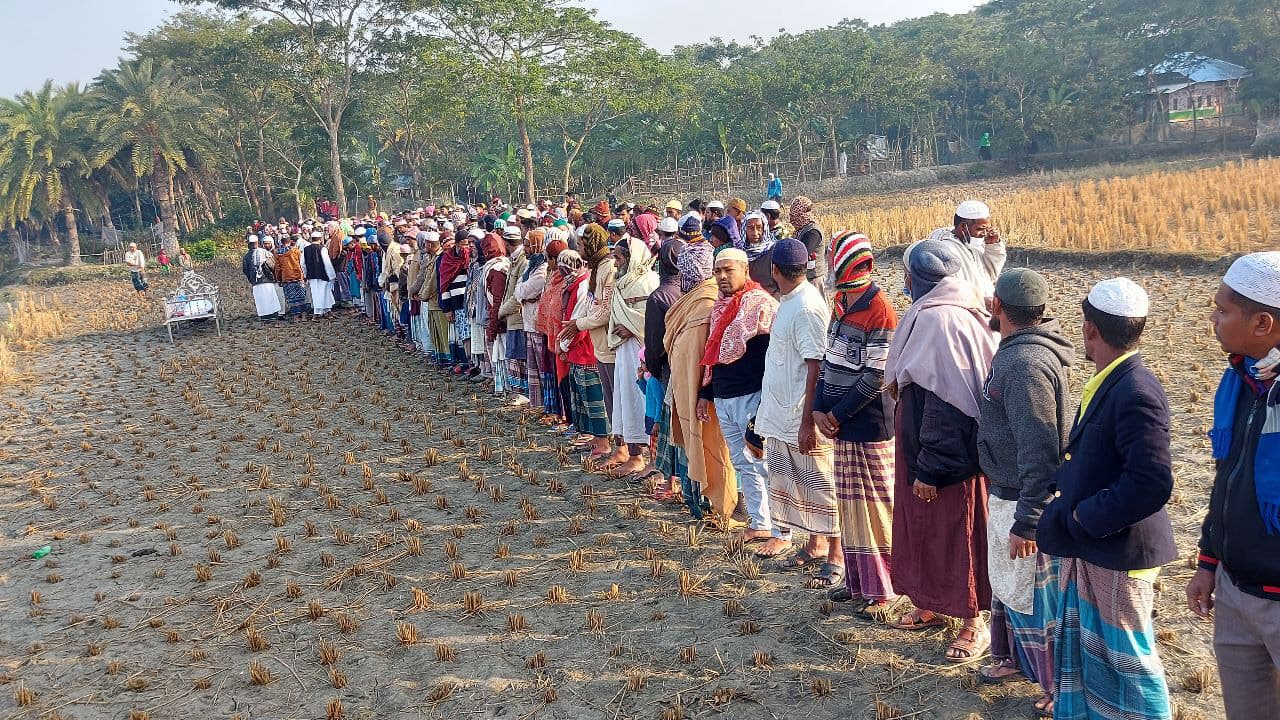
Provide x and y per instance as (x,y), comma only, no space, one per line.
(70,40)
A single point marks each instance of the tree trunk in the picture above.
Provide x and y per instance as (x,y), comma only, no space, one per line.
(835,145)
(246,177)
(73,232)
(267,194)
(526,145)
(19,245)
(163,194)
(335,168)
(108,223)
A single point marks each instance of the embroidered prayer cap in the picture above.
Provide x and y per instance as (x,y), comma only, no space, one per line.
(616,225)
(733,254)
(511,233)
(771,205)
(1257,277)
(715,205)
(476,233)
(1121,297)
(973,210)
(668,225)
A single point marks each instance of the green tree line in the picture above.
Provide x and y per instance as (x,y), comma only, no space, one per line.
(235,109)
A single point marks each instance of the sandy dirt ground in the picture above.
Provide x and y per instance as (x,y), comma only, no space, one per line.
(298,521)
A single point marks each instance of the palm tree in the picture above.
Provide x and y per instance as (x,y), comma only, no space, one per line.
(43,152)
(154,116)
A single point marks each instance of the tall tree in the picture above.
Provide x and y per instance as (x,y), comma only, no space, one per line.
(322,49)
(43,147)
(525,49)
(154,116)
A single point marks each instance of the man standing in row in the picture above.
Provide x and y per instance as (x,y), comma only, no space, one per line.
(1026,415)
(802,484)
(984,252)
(1108,527)
(1239,573)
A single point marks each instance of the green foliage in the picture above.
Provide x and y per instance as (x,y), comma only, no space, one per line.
(203,250)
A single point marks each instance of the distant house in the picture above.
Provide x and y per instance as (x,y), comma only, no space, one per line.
(1187,87)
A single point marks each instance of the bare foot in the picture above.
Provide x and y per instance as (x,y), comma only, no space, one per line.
(773,548)
(630,465)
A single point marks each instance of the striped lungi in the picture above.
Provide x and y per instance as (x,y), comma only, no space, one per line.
(802,488)
(295,296)
(1107,667)
(588,401)
(864,499)
(1027,639)
(542,374)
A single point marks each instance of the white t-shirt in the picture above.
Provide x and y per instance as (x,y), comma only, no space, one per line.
(799,333)
(135,260)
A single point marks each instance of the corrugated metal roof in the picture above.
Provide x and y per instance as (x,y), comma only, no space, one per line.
(1198,68)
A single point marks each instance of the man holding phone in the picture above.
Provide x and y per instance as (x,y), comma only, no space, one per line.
(986,252)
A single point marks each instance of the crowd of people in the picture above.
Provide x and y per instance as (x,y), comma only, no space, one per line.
(923,468)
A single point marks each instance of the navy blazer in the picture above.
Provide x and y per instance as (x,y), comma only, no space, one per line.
(1115,478)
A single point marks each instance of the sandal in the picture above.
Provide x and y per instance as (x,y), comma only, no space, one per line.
(992,675)
(962,651)
(841,594)
(799,560)
(829,575)
(914,621)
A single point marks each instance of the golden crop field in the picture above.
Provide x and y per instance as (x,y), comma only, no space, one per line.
(1234,207)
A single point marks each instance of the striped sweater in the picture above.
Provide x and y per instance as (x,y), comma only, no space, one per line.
(851,384)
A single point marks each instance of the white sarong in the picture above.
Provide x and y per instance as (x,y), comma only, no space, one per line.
(266,299)
(1013,580)
(321,296)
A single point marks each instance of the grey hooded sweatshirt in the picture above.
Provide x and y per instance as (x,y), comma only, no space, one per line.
(1026,419)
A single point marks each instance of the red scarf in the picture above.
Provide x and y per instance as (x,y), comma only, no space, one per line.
(712,354)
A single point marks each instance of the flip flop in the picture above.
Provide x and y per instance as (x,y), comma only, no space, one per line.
(829,575)
(800,559)
(986,679)
(757,540)
(917,623)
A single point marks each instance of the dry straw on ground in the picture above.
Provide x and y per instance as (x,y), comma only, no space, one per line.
(1233,207)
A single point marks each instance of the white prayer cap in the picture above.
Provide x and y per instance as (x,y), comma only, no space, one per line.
(770,205)
(733,254)
(1121,297)
(317,234)
(715,205)
(476,233)
(253,239)
(973,210)
(406,249)
(431,236)
(1257,277)
(446,225)
(668,225)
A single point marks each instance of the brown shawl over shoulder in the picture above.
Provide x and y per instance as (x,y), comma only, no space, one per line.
(688,323)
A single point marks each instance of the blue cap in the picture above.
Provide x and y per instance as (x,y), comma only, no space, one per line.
(790,253)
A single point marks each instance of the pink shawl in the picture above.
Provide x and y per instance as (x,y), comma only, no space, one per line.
(943,344)
(756,310)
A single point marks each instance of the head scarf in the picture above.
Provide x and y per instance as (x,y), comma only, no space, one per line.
(851,264)
(694,264)
(554,248)
(633,286)
(536,252)
(927,262)
(456,257)
(942,343)
(645,227)
(491,247)
(570,260)
(801,212)
(766,239)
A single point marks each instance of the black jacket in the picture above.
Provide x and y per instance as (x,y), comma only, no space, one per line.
(1115,478)
(1233,533)
(936,441)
